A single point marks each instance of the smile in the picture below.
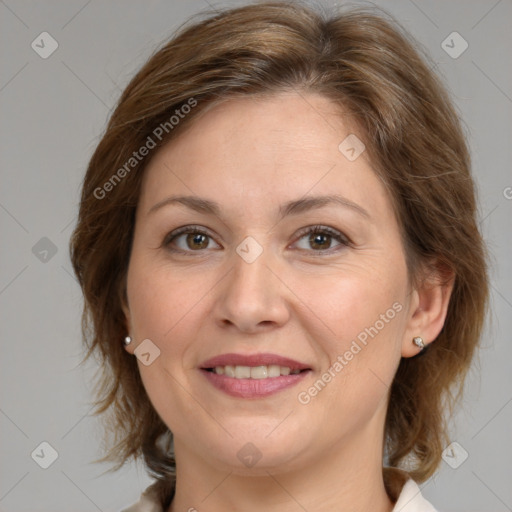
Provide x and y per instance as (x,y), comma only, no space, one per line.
(253,376)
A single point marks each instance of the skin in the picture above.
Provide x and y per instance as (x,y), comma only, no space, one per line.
(250,156)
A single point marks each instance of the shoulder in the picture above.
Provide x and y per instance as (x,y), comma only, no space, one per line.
(411,499)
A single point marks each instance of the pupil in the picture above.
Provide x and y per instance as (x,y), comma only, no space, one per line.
(320,240)
(197,241)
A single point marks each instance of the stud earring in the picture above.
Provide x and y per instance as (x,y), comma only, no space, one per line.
(127,340)
(418,341)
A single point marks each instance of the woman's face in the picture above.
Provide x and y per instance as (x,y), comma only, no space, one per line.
(262,244)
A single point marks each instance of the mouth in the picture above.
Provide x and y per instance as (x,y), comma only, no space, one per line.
(253,376)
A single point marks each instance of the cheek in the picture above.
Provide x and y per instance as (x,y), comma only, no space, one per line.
(153,307)
(362,318)
(360,359)
(351,304)
(167,307)
(167,310)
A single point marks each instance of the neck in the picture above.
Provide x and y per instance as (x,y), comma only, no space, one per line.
(345,477)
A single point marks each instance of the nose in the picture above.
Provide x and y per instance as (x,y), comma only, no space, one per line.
(252,298)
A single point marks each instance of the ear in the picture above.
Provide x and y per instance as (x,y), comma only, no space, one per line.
(428,307)
(123,298)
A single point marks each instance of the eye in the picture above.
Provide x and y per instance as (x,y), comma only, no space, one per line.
(321,239)
(189,239)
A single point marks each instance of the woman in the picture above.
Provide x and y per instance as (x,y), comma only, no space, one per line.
(282,270)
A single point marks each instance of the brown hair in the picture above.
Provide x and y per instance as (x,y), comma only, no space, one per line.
(366,64)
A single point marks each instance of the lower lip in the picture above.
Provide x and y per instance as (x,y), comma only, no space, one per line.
(253,388)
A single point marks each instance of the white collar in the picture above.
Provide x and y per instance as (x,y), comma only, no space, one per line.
(411,500)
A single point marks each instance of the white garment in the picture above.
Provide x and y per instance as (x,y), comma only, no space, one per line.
(410,500)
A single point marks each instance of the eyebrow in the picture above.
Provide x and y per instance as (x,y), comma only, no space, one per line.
(295,207)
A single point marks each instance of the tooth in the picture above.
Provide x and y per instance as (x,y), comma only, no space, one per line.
(242,372)
(259,372)
(229,371)
(274,370)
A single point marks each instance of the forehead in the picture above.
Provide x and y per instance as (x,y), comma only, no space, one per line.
(275,147)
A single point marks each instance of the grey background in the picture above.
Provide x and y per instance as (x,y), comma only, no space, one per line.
(53,112)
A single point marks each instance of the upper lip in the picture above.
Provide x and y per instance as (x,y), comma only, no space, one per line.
(253,360)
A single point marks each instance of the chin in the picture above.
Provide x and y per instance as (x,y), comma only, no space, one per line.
(253,451)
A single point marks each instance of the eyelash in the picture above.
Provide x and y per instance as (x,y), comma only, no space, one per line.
(310,230)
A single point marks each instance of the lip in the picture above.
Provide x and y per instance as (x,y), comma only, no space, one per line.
(253,388)
(253,360)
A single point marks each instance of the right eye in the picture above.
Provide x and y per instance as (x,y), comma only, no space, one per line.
(189,239)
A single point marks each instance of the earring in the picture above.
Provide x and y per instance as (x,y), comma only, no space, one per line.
(418,341)
(127,340)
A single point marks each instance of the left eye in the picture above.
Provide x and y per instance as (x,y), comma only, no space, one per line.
(321,239)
